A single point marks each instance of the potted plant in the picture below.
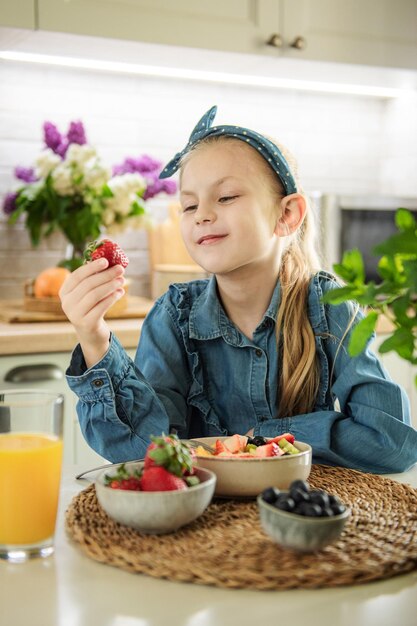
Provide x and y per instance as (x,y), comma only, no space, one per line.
(71,191)
(394,297)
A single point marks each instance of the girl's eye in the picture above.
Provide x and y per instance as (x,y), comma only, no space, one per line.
(224,199)
(187,209)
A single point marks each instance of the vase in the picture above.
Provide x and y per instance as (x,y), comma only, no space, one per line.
(74,256)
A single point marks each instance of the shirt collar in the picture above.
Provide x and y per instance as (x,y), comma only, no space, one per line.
(208,319)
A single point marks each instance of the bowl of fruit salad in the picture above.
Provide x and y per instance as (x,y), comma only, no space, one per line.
(160,494)
(245,466)
(301,518)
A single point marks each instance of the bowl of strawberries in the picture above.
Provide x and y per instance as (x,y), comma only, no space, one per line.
(245,466)
(160,494)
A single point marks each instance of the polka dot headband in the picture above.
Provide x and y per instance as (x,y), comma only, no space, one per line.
(270,152)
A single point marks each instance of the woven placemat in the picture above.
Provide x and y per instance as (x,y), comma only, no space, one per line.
(227,547)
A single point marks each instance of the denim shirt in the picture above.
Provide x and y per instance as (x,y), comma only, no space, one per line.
(196,372)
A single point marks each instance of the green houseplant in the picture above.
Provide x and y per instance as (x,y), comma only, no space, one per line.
(394,297)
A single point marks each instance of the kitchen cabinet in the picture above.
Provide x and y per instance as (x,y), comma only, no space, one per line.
(51,377)
(367,32)
(402,372)
(18,13)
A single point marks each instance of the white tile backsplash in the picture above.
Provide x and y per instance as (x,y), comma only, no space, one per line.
(344,144)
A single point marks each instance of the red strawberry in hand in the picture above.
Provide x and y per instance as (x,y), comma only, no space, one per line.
(157,478)
(106,249)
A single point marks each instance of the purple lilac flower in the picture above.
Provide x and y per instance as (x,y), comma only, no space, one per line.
(27,174)
(158,186)
(9,203)
(52,137)
(76,133)
(143,165)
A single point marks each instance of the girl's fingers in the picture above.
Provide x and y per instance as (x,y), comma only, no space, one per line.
(78,303)
(81,274)
(101,308)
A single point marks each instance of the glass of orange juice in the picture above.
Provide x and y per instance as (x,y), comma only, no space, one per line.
(31,427)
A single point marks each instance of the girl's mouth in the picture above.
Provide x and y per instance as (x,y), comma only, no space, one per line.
(209,239)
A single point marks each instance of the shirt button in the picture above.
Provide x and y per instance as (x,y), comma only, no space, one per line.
(98,382)
(258,352)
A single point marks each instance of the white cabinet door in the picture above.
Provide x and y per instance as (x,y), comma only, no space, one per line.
(402,372)
(234,25)
(18,13)
(30,375)
(369,32)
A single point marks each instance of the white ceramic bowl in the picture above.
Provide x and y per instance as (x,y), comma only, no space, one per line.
(155,512)
(248,477)
(298,532)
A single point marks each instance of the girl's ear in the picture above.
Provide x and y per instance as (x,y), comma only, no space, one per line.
(293,209)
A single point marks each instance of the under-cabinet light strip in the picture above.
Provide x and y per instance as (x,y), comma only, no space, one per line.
(202,75)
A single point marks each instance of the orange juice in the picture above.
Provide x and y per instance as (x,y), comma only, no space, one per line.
(30,473)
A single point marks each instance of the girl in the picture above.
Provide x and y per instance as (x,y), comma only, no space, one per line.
(251,350)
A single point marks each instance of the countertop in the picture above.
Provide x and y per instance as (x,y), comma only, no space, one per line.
(69,589)
(42,337)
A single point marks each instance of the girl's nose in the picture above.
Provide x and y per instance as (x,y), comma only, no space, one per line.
(204,214)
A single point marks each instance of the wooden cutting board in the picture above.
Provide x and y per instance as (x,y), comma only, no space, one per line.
(12,311)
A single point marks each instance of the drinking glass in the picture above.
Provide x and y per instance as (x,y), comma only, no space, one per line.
(31,428)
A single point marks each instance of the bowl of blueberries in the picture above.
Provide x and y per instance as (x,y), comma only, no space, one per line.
(302,518)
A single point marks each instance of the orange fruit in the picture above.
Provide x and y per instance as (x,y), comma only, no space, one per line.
(49,282)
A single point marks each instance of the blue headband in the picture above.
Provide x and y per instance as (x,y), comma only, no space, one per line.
(270,152)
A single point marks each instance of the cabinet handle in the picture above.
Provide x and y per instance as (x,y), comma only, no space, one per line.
(275,41)
(299,43)
(34,373)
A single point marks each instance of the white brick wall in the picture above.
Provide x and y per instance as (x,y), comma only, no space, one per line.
(344,144)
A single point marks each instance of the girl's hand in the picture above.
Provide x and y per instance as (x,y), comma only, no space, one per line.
(86,296)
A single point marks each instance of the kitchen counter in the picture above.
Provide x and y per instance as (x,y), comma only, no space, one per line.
(69,589)
(42,337)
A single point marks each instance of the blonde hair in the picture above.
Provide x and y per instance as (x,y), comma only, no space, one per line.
(299,377)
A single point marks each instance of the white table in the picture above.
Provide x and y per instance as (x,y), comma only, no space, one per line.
(69,589)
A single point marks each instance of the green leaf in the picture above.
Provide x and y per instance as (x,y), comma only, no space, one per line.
(401,243)
(405,220)
(361,334)
(339,295)
(401,341)
(351,269)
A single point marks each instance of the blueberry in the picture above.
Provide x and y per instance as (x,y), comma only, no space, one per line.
(270,494)
(319,497)
(300,484)
(338,509)
(333,500)
(307,509)
(285,504)
(326,512)
(299,495)
(258,441)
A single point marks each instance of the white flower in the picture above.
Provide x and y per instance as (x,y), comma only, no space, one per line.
(96,176)
(46,162)
(127,184)
(108,217)
(62,181)
(120,204)
(79,155)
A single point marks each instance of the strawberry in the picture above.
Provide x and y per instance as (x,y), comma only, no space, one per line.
(219,447)
(171,453)
(269,449)
(236,443)
(286,436)
(106,249)
(157,478)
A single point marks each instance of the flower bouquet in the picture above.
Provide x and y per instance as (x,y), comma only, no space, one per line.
(71,191)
